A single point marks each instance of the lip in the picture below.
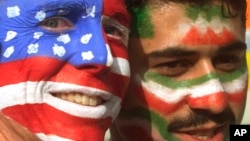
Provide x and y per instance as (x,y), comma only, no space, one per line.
(210,133)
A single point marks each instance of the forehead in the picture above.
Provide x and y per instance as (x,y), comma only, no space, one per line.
(117,10)
(42,3)
(112,8)
(29,5)
(176,24)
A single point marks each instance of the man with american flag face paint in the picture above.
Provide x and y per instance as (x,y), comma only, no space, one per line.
(63,65)
(188,71)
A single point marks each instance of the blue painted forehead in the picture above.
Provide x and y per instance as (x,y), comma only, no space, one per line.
(15,7)
(22,37)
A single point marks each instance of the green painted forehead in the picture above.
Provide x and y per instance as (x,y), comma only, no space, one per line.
(141,22)
(141,17)
(207,12)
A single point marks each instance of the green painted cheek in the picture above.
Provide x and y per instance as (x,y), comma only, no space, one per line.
(141,26)
(152,117)
(206,12)
(171,83)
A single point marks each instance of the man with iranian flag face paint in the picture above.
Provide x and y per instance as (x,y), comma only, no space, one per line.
(64,66)
(189,75)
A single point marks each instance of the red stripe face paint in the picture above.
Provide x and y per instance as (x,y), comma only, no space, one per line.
(209,37)
(64,65)
(189,78)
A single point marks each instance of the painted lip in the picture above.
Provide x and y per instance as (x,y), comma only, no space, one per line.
(203,133)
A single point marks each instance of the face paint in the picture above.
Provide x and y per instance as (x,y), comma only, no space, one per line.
(158,124)
(141,27)
(206,12)
(204,29)
(171,92)
(64,65)
(189,81)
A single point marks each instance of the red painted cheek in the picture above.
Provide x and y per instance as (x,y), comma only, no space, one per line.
(238,97)
(42,118)
(210,37)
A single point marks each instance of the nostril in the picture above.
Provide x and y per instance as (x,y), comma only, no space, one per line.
(94,69)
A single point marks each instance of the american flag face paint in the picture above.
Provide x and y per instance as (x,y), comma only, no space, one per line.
(64,65)
(189,76)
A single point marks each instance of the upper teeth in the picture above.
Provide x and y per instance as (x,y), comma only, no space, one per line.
(201,137)
(80,98)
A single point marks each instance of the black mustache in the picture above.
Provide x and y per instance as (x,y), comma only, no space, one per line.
(199,117)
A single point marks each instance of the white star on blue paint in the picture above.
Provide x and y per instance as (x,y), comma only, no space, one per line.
(13,11)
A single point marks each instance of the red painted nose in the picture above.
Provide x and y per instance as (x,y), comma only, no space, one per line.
(214,103)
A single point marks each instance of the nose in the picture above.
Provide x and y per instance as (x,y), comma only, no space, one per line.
(92,53)
(214,103)
(210,94)
(99,67)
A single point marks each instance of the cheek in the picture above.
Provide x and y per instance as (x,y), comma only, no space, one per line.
(237,103)
(149,99)
(120,69)
(238,110)
(28,69)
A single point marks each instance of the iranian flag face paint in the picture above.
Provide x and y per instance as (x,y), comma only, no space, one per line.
(189,75)
(64,65)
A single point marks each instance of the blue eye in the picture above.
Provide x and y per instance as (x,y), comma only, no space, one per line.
(57,24)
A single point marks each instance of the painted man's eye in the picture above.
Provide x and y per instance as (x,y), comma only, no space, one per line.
(57,24)
(227,63)
(173,68)
(114,29)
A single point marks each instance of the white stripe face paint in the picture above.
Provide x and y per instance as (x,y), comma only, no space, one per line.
(210,87)
(40,92)
(44,137)
(120,66)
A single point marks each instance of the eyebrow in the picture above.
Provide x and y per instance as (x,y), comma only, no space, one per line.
(234,46)
(172,52)
(178,51)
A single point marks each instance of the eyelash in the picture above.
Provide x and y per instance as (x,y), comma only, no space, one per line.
(62,24)
(114,29)
(227,63)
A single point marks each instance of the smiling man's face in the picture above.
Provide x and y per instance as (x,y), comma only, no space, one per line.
(189,76)
(64,66)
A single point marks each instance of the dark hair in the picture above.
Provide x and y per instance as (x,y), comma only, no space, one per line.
(238,5)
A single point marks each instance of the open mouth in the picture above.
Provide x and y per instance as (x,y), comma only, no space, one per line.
(202,135)
(208,134)
(80,98)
